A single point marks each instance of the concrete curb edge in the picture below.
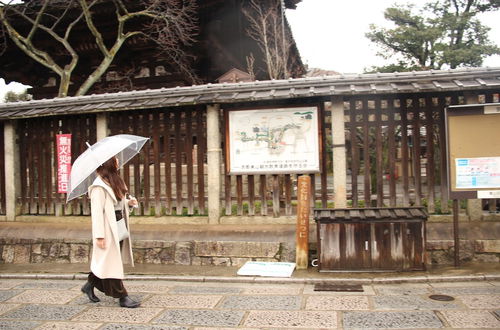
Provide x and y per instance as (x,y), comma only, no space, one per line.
(268,280)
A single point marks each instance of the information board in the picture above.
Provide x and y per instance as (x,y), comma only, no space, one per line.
(473,140)
(273,141)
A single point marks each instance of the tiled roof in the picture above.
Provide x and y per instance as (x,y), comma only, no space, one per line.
(370,214)
(270,90)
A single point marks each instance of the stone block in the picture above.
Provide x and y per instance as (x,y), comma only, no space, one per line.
(79,253)
(46,248)
(196,261)
(236,249)
(439,245)
(8,254)
(474,209)
(152,256)
(167,256)
(216,261)
(21,254)
(288,253)
(64,250)
(239,261)
(205,261)
(36,248)
(183,253)
(37,259)
(488,245)
(440,257)
(203,248)
(150,244)
(138,256)
(487,257)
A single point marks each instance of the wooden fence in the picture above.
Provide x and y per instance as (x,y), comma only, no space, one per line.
(38,162)
(397,151)
(169,176)
(395,148)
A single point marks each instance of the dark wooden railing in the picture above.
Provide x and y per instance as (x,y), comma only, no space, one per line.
(169,175)
(38,162)
(395,148)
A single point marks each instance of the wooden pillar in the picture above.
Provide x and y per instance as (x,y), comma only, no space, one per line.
(302,231)
(456,234)
(474,206)
(12,172)
(339,152)
(101,126)
(214,154)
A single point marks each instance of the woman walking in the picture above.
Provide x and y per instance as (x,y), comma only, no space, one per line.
(109,203)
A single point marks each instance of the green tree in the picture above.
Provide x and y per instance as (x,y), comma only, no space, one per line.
(444,34)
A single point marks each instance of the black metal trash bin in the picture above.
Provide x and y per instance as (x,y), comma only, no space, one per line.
(371,239)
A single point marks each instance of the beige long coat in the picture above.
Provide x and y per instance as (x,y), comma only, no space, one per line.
(107,262)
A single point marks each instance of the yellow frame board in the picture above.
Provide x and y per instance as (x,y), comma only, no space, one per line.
(473,141)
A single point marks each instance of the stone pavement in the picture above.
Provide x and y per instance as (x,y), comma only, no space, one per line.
(215,298)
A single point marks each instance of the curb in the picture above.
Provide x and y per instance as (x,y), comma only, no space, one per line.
(268,280)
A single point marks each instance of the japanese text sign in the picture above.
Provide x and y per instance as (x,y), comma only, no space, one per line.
(63,162)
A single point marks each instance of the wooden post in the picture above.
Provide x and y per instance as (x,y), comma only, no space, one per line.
(302,235)
(101,126)
(339,153)
(214,152)
(12,171)
(474,206)
(456,240)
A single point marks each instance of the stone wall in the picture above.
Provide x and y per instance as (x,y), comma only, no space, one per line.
(443,252)
(219,253)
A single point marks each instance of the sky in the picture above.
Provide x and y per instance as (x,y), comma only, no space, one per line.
(330,34)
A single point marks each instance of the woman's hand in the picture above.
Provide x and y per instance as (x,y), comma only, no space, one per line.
(101,243)
(133,202)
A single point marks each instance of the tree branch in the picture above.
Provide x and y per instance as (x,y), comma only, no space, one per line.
(90,23)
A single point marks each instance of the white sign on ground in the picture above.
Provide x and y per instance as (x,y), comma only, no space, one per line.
(272,269)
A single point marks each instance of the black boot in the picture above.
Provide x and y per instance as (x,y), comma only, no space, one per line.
(129,303)
(88,289)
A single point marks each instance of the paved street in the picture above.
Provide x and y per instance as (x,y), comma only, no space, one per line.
(58,304)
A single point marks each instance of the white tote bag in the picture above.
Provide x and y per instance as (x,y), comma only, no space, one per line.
(122,230)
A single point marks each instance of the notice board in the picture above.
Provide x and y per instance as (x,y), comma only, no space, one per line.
(473,151)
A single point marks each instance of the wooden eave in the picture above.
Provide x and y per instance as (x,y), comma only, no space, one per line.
(270,90)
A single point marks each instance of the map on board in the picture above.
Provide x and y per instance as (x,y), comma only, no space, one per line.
(283,140)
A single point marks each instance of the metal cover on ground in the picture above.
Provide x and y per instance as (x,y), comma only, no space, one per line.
(338,287)
(441,297)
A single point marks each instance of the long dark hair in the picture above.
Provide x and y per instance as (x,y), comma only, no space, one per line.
(108,171)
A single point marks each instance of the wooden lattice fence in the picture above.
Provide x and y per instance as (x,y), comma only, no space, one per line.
(38,162)
(395,148)
(169,175)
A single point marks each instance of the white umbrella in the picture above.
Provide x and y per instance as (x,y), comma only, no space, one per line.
(83,171)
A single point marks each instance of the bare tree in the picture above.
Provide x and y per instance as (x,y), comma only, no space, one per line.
(169,23)
(267,28)
(250,65)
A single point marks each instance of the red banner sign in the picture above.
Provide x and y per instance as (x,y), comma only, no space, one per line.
(63,162)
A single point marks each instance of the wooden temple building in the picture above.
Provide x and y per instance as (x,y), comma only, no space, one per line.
(222,46)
